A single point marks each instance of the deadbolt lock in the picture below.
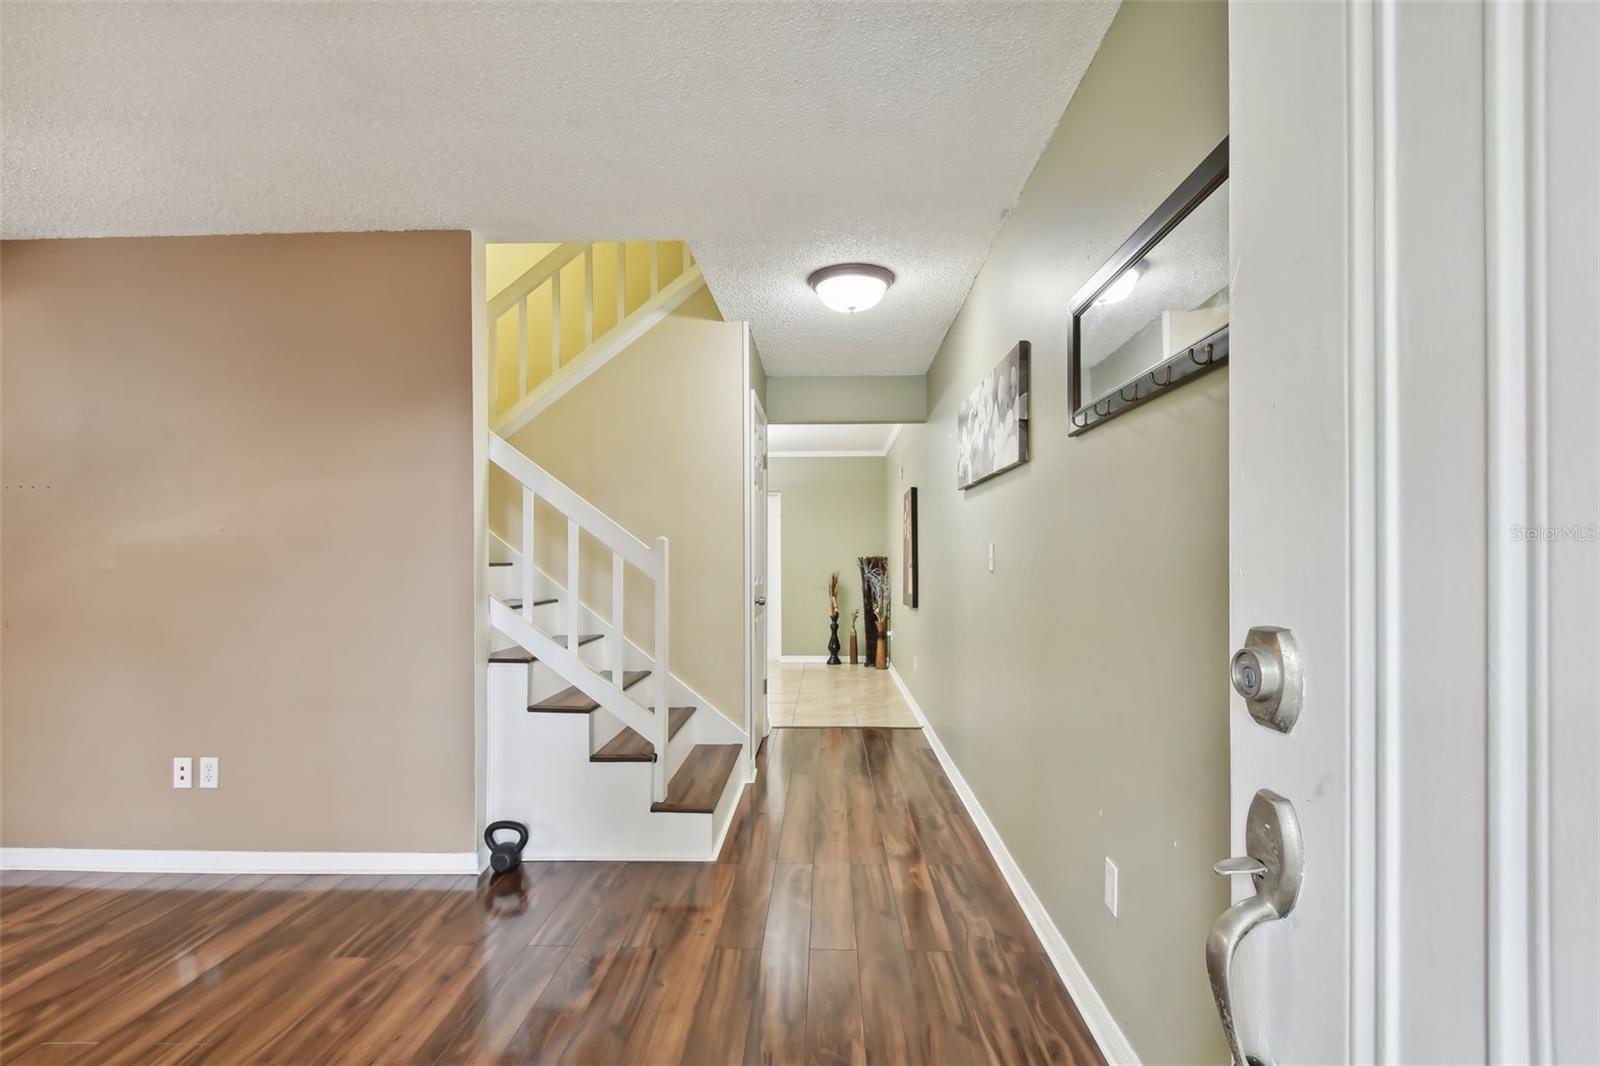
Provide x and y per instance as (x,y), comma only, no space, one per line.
(1267,673)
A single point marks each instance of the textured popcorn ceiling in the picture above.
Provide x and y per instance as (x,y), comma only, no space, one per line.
(775,138)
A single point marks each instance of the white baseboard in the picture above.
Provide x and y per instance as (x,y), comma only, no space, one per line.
(802,658)
(178,861)
(1107,1033)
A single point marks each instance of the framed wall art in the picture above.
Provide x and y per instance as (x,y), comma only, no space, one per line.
(908,548)
(992,424)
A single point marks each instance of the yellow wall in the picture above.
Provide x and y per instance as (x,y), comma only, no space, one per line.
(507,262)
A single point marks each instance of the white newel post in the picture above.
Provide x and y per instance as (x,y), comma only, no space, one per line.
(522,347)
(527,568)
(618,564)
(663,671)
(555,322)
(573,537)
(622,281)
(588,296)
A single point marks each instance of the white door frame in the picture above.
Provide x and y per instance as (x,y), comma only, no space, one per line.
(754,658)
(1403,397)
(774,575)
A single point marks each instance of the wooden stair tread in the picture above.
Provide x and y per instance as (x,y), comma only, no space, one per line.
(523,655)
(573,700)
(698,784)
(629,746)
(516,605)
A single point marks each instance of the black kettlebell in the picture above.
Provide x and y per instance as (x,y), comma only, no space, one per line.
(505,856)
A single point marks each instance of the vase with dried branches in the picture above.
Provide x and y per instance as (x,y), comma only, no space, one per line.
(877,579)
(833,619)
(855,659)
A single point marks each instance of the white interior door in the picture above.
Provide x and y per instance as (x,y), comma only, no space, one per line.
(774,576)
(758,571)
(1405,382)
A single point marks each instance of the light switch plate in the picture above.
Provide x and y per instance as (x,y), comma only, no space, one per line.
(183,773)
(209,771)
(1111,886)
(991,557)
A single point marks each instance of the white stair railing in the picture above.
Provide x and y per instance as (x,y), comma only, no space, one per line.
(626,549)
(540,287)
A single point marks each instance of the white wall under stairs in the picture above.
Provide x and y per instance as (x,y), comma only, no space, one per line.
(539,767)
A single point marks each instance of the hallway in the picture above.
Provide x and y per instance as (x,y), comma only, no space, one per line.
(815,694)
(854,915)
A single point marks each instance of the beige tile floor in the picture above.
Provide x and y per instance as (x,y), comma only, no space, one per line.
(814,694)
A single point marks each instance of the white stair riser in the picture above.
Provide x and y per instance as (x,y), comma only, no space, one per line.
(540,775)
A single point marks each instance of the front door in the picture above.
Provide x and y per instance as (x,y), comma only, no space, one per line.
(1411,420)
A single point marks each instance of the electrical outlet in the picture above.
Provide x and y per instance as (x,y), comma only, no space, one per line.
(1111,886)
(208,771)
(991,557)
(183,773)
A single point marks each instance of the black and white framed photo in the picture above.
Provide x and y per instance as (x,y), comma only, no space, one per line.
(992,425)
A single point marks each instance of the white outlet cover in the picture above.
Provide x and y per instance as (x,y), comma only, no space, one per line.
(991,557)
(1111,887)
(209,771)
(183,773)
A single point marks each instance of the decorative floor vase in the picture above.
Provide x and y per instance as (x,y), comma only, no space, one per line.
(855,659)
(833,640)
(882,662)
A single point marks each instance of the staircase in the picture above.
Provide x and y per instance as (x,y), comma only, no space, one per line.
(595,298)
(592,742)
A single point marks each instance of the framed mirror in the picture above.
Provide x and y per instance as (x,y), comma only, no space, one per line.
(1156,314)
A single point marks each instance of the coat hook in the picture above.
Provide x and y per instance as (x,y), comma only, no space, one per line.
(1080,418)
(1123,392)
(1201,362)
(1107,411)
(1158,382)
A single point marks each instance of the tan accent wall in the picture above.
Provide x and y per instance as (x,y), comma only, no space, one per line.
(655,440)
(832,515)
(1082,687)
(238,522)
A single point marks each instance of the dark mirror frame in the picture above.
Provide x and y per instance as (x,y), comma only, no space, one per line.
(1178,367)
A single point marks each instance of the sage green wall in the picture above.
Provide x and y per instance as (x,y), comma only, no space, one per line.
(1081,687)
(832,515)
(846,400)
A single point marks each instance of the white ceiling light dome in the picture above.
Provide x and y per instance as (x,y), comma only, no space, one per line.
(851,287)
(1120,289)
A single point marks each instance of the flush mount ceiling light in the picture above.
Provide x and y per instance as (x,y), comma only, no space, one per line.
(1118,290)
(851,287)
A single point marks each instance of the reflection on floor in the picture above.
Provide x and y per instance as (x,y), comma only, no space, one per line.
(814,694)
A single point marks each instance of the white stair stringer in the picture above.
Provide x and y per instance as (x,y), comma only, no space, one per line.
(539,774)
(707,726)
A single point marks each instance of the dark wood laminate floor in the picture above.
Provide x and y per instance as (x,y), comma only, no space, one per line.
(853,916)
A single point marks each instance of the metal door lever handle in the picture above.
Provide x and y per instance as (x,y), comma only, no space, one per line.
(1221,944)
(761,601)
(1276,863)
